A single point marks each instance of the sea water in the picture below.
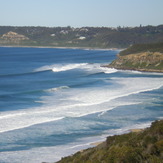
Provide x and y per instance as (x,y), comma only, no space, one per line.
(54,102)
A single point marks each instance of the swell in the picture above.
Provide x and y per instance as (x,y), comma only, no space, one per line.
(60,68)
(23,74)
(38,91)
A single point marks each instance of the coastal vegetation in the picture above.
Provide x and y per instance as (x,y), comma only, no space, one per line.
(141,57)
(134,147)
(138,48)
(90,37)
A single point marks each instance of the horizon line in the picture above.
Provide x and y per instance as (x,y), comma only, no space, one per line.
(119,26)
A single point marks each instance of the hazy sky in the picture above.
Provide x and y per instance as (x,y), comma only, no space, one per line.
(78,13)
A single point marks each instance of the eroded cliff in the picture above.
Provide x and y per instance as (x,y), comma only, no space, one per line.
(145,61)
(141,57)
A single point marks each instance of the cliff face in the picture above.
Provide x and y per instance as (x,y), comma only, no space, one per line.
(12,38)
(144,61)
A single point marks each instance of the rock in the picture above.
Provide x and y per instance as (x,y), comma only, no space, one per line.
(12,37)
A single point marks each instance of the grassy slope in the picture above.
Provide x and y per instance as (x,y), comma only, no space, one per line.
(138,48)
(135,147)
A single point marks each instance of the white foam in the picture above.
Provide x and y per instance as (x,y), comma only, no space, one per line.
(25,121)
(57,88)
(5,116)
(53,154)
(43,154)
(108,70)
(96,67)
(60,68)
(141,72)
(78,102)
(35,116)
(91,96)
(44,68)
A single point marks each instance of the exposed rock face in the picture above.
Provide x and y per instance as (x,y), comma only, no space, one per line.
(12,37)
(145,61)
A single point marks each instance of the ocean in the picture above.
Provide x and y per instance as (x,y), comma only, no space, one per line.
(54,102)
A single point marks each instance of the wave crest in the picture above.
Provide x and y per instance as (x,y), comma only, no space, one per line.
(57,88)
(107,70)
(68,67)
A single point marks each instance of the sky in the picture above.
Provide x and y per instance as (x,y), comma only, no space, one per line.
(81,13)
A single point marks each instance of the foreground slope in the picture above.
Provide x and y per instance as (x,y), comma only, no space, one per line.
(141,57)
(134,147)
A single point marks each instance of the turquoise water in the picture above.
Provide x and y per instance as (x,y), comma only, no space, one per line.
(54,102)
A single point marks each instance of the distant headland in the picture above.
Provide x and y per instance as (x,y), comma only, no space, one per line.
(144,43)
(84,37)
(140,57)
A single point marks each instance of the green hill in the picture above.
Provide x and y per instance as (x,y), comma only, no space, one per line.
(135,147)
(91,37)
(139,48)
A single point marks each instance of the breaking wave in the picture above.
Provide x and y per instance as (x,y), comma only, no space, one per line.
(78,102)
(96,67)
(56,89)
(68,67)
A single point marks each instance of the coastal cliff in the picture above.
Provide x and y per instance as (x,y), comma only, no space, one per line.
(12,38)
(142,146)
(145,57)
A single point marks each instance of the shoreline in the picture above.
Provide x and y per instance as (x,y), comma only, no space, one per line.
(61,47)
(134,130)
(134,69)
(102,143)
(142,70)
(137,69)
(130,147)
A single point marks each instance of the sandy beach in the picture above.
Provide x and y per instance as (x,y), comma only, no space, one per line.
(60,47)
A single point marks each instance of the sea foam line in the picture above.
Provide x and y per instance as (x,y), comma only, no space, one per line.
(11,115)
(34,117)
(75,114)
(108,70)
(56,89)
(85,66)
(55,153)
(29,125)
(68,67)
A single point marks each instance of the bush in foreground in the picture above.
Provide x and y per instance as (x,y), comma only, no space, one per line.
(134,147)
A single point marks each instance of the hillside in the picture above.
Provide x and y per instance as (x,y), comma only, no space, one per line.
(135,147)
(91,37)
(139,48)
(141,57)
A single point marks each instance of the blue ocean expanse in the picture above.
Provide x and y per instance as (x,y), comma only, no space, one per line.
(54,102)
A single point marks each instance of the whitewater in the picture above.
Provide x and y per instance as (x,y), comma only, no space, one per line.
(54,102)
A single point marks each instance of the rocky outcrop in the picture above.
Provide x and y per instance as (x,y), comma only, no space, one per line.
(12,37)
(144,61)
